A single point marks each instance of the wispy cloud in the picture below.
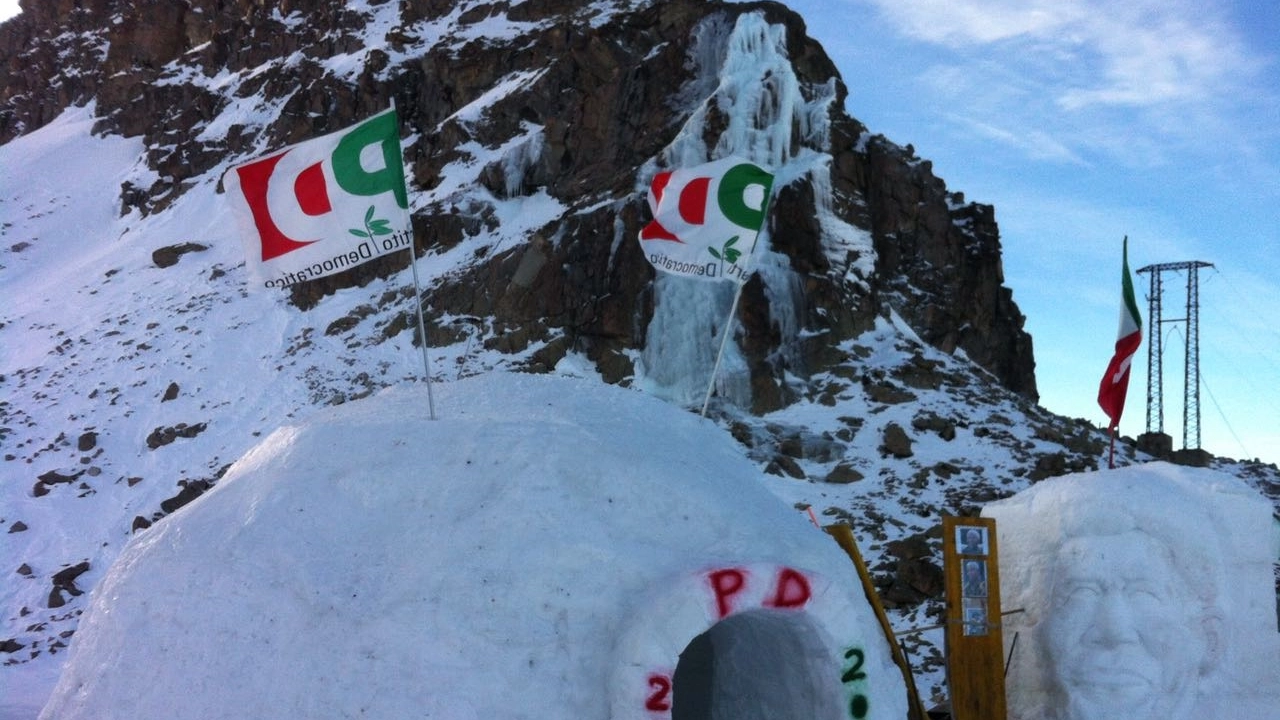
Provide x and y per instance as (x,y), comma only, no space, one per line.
(1073,81)
(1137,53)
(965,22)
(1149,59)
(1035,144)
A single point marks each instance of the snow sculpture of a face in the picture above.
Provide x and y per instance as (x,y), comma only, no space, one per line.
(1130,632)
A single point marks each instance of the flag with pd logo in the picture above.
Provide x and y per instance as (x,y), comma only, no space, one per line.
(324,205)
(706,219)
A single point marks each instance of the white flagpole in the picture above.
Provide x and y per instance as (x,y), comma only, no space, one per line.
(417,301)
(724,339)
(422,326)
(733,310)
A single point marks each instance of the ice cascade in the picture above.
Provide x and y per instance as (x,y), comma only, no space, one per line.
(745,82)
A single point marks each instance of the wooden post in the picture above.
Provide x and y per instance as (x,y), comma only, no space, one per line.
(843,535)
(974,642)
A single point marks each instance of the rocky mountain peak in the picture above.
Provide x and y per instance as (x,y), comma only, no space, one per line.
(585,100)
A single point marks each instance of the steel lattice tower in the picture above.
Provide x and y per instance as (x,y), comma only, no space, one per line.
(1155,351)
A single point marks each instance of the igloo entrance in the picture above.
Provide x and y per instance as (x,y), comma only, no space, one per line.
(757,665)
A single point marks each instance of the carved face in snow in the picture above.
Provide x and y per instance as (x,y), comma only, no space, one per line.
(1127,635)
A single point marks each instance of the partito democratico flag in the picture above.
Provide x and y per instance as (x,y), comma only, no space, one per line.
(706,219)
(1115,383)
(324,205)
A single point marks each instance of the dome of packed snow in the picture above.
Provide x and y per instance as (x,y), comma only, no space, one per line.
(547,547)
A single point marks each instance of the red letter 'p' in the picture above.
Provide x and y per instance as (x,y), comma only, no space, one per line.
(726,583)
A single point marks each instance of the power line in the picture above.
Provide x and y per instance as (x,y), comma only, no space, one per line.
(1260,394)
(1247,307)
(1226,422)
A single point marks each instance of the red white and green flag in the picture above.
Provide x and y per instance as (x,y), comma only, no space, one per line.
(324,205)
(1115,383)
(706,219)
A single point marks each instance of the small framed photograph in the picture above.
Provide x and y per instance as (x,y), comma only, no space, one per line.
(973,578)
(971,540)
(975,617)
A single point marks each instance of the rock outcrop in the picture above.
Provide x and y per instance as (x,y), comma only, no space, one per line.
(599,91)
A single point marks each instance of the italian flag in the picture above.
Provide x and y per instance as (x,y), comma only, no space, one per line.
(1115,383)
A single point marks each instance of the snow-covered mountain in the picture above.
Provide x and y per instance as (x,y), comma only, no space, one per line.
(878,373)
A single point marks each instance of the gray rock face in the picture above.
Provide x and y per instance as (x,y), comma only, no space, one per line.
(608,86)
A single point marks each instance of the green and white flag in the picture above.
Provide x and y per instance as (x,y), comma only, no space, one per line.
(324,205)
(706,219)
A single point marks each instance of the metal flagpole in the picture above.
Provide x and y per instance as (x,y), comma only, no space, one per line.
(417,302)
(422,326)
(1111,459)
(724,339)
(732,310)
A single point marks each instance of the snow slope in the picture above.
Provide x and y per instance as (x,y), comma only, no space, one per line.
(94,337)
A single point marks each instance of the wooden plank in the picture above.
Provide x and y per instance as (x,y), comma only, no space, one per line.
(843,535)
(974,641)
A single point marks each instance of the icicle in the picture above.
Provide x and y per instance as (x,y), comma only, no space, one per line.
(516,163)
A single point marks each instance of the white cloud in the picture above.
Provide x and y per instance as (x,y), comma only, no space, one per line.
(958,23)
(1142,83)
(1140,53)
(1149,61)
(1034,144)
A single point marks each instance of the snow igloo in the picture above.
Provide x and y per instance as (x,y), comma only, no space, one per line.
(548,547)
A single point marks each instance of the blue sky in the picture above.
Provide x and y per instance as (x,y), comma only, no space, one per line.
(1083,121)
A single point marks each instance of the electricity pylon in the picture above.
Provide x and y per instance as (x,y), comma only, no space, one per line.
(1155,351)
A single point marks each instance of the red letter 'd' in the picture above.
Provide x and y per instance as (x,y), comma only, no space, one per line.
(313,195)
(792,591)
